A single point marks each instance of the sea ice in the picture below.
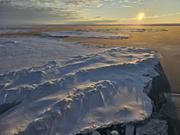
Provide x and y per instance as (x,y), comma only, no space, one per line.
(83,93)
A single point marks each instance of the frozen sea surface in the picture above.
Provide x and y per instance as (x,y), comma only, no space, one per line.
(18,52)
(86,34)
(79,88)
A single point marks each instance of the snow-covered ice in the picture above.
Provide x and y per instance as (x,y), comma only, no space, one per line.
(12,30)
(89,88)
(85,33)
(18,53)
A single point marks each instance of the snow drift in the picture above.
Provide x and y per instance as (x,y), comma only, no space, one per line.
(83,93)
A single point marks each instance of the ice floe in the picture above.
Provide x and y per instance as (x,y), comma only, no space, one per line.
(83,93)
(85,34)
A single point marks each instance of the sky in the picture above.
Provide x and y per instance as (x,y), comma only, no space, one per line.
(14,12)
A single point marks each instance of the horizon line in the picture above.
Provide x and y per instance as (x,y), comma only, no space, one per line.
(121,24)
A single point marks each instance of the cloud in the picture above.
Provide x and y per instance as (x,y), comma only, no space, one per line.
(103,21)
(55,4)
(34,11)
(61,4)
(64,11)
(163,15)
(151,19)
(130,3)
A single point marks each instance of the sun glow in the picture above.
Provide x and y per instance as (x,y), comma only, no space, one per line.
(140,16)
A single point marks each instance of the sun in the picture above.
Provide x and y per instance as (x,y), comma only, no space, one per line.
(140,16)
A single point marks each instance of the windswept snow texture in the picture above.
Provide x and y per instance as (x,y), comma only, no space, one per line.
(83,93)
(24,52)
(85,34)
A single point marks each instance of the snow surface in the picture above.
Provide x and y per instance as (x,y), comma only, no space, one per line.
(11,31)
(84,33)
(18,53)
(96,88)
